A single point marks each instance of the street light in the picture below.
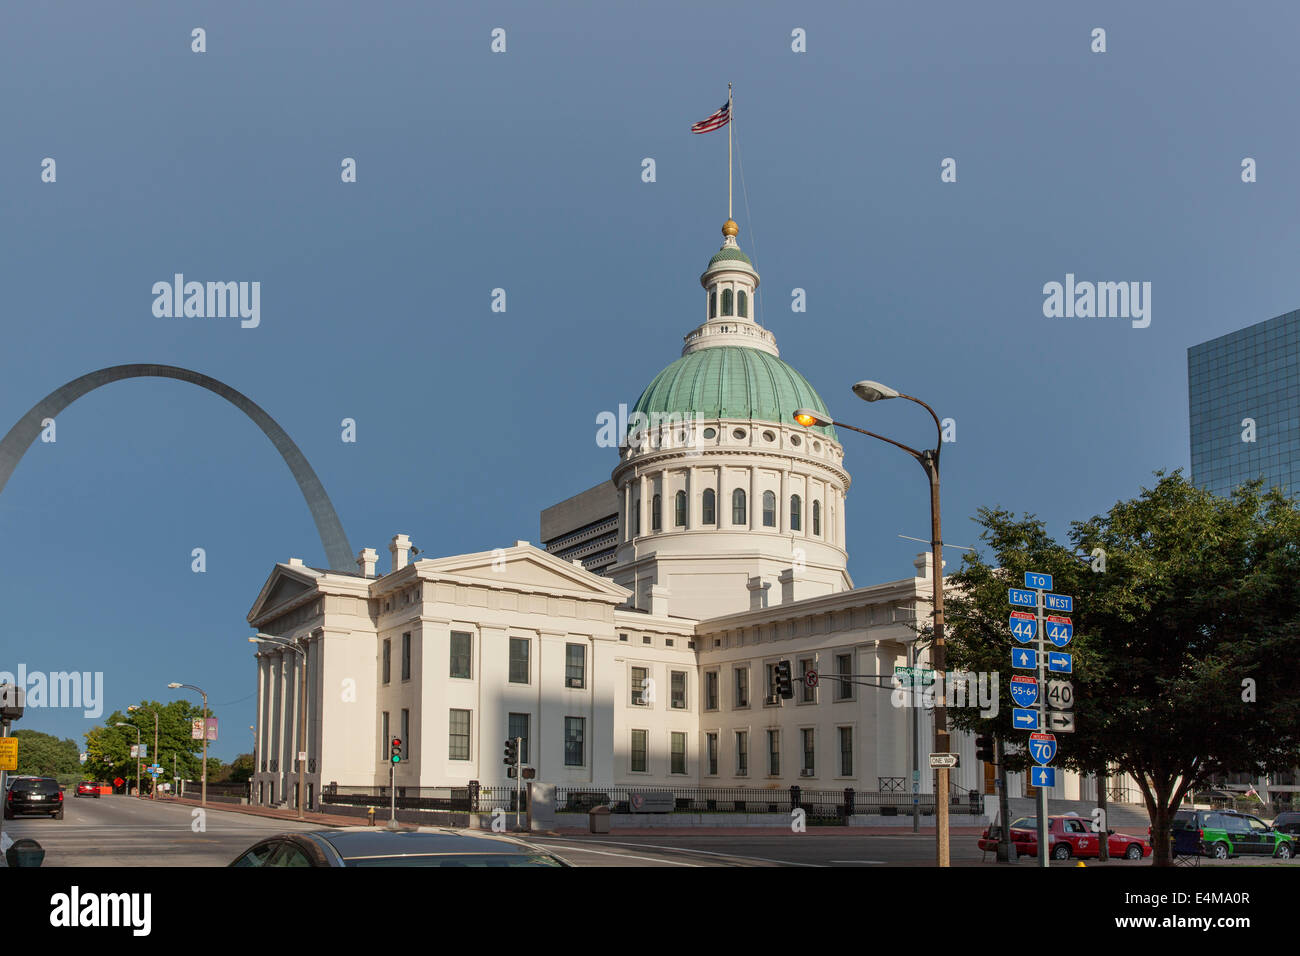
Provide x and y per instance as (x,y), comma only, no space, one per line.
(299,752)
(137,752)
(153,791)
(928,459)
(203,790)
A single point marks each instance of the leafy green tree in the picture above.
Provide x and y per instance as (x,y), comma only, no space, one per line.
(241,768)
(43,755)
(109,746)
(1187,629)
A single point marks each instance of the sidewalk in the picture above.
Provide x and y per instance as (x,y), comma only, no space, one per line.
(310,816)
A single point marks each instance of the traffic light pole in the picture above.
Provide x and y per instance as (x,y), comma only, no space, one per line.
(392,793)
(519,783)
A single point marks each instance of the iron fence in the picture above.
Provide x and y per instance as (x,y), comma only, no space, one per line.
(469,799)
(817,804)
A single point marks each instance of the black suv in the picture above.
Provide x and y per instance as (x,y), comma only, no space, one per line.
(34,795)
(1288,821)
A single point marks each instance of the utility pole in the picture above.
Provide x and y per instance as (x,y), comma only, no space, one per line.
(1006,848)
(1103,849)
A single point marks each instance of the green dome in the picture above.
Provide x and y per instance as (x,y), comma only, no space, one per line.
(731,381)
(729,253)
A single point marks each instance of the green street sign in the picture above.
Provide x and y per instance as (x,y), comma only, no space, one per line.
(907,676)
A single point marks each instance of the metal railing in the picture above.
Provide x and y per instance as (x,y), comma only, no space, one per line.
(816,803)
(469,799)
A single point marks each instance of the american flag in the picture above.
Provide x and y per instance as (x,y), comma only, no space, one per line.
(718,120)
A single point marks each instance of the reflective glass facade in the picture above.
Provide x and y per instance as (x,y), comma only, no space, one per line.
(1254,374)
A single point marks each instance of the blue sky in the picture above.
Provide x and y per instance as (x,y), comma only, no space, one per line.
(522,171)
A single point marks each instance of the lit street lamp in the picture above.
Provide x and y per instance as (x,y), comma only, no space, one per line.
(153,791)
(928,458)
(137,752)
(203,791)
(299,750)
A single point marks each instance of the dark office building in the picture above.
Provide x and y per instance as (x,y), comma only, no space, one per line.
(1245,385)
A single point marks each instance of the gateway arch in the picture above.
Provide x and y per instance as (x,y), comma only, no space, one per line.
(15,444)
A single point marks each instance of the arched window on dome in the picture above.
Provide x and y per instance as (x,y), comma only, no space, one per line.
(726,302)
(796,513)
(655,522)
(742,308)
(679,509)
(710,515)
(713,304)
(769,509)
(817,517)
(739,515)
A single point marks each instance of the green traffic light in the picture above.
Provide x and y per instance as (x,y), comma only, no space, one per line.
(397,758)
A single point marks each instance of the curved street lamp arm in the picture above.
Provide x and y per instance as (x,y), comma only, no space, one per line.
(938,426)
(919,456)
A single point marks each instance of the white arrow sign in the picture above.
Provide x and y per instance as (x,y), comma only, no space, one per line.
(1060,721)
(944,760)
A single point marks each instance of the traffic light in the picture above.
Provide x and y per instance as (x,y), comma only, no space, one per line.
(395,750)
(984,747)
(512,752)
(784,688)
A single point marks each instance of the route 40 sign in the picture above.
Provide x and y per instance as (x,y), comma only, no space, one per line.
(1042,747)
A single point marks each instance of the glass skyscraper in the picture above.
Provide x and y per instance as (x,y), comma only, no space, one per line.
(1245,385)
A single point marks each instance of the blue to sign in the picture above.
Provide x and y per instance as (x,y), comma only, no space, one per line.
(1040,582)
(1021,598)
(1044,777)
(1022,719)
(1059,663)
(1058,602)
(1024,658)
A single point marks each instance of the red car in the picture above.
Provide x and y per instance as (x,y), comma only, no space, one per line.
(85,789)
(1069,836)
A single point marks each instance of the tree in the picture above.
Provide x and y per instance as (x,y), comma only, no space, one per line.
(241,768)
(109,747)
(43,755)
(1187,626)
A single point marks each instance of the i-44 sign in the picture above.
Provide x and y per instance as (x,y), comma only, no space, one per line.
(1023,626)
(1058,630)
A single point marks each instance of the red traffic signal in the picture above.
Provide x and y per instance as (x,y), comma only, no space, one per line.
(395,750)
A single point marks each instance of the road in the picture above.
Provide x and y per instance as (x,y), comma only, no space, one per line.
(124,831)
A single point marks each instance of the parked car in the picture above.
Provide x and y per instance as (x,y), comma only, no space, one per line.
(87,789)
(1068,835)
(1288,821)
(367,846)
(1223,834)
(34,795)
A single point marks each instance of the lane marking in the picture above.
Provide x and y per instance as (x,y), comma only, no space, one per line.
(621,856)
(682,849)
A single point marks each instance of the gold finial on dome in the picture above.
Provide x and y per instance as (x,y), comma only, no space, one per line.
(729,228)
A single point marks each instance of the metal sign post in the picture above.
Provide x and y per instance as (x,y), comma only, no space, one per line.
(519,784)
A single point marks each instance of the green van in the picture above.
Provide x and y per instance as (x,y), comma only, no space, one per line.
(1226,833)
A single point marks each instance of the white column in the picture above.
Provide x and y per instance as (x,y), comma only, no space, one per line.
(263,710)
(275,707)
(753,486)
(627,511)
(643,506)
(783,504)
(843,539)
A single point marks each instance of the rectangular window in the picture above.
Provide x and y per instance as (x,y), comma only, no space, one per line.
(406,656)
(809,762)
(678,690)
(846,751)
(742,753)
(384,738)
(574,745)
(406,735)
(711,690)
(519,660)
(711,748)
(575,665)
(639,690)
(518,727)
(678,764)
(458,735)
(388,659)
(742,686)
(774,752)
(462,644)
(808,694)
(843,667)
(638,764)
(770,671)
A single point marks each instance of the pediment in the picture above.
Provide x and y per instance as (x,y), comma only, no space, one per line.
(281,587)
(527,567)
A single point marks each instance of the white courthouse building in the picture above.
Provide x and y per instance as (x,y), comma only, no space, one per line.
(719,539)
